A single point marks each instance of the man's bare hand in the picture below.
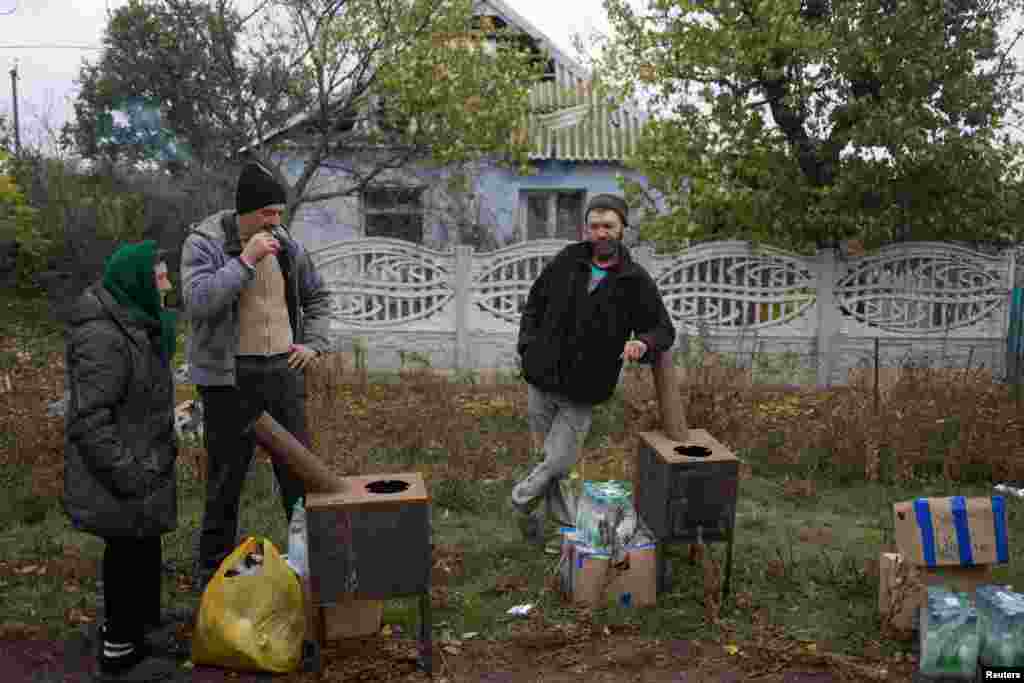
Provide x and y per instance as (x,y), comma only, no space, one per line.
(634,350)
(258,247)
(300,356)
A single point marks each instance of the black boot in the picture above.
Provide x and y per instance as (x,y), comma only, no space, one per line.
(162,637)
(130,662)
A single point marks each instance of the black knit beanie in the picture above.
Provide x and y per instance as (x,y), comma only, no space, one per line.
(257,188)
(608,202)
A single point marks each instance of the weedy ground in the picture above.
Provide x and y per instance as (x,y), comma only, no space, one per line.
(821,471)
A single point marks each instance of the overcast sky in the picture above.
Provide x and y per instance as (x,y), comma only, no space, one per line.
(33,29)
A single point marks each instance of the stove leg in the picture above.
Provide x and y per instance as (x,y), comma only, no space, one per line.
(311,659)
(426,638)
(728,565)
(663,580)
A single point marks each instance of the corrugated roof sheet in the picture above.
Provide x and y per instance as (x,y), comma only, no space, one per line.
(571,123)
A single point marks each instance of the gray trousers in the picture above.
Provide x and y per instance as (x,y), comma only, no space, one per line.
(558,427)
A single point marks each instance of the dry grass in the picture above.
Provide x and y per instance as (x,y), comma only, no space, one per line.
(960,424)
(957,423)
(350,417)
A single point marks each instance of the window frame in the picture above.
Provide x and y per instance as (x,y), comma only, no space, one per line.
(365,212)
(552,194)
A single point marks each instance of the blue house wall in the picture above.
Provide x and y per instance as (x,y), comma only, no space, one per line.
(501,187)
(323,223)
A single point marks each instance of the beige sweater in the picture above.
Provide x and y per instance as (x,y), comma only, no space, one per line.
(264,328)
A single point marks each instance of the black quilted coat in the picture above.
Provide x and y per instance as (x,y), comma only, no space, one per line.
(120,445)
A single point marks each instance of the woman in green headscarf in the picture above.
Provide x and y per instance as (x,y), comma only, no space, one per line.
(120,448)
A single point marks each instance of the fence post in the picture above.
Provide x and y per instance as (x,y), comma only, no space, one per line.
(828,322)
(643,254)
(463,295)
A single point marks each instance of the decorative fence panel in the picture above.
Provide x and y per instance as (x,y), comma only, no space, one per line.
(461,309)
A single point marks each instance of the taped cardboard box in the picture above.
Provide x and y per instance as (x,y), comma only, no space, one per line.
(954,531)
(590,578)
(902,586)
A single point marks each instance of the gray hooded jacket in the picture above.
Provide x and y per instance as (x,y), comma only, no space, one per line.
(212,278)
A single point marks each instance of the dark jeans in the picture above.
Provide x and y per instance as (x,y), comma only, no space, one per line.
(260,385)
(131,587)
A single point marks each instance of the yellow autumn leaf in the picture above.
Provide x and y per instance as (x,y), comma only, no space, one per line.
(812,648)
(732,649)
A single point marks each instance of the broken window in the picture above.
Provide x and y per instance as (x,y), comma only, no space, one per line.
(556,214)
(395,212)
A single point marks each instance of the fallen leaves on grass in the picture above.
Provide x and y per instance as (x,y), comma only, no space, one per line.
(76,616)
(816,535)
(439,597)
(775,568)
(447,564)
(19,631)
(799,488)
(509,584)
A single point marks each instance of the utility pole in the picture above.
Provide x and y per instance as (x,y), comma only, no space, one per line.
(14,91)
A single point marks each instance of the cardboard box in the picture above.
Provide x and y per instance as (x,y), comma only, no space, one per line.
(589,578)
(350,619)
(353,619)
(902,586)
(954,531)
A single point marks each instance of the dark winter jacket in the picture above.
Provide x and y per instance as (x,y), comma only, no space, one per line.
(570,340)
(212,278)
(120,445)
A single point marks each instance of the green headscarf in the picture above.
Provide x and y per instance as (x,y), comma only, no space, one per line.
(129,279)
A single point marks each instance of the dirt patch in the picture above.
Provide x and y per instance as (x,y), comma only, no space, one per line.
(535,651)
(27,386)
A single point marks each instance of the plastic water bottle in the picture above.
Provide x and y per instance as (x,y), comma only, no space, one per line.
(298,558)
(951,638)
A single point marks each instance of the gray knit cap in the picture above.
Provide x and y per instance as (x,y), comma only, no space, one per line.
(609,202)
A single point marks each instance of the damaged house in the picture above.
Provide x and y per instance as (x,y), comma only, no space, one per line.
(424,267)
(577,148)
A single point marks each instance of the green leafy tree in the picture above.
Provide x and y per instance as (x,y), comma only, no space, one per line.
(182,81)
(20,223)
(804,122)
(6,135)
(349,88)
(400,82)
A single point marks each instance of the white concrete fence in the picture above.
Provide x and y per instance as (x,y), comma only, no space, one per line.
(460,310)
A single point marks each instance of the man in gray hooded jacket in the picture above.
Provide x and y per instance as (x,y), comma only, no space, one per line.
(260,315)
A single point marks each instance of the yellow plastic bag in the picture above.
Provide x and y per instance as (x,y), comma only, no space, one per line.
(251,622)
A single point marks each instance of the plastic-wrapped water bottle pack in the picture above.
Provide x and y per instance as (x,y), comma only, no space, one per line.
(949,634)
(1001,623)
(602,510)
